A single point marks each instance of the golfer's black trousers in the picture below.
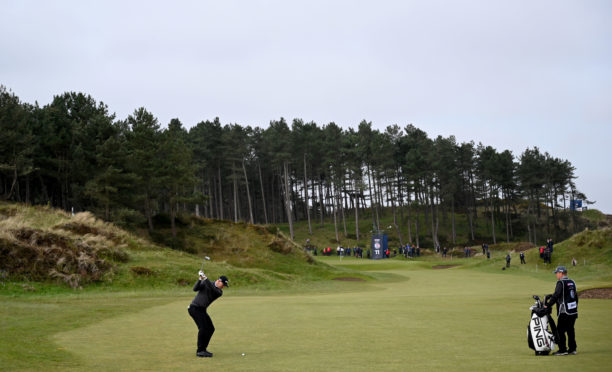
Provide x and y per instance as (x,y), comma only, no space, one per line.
(565,324)
(205,326)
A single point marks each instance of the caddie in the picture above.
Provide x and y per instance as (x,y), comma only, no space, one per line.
(566,298)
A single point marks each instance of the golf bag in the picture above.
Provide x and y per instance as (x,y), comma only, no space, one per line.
(539,337)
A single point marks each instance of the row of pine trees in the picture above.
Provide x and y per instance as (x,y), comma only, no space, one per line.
(74,154)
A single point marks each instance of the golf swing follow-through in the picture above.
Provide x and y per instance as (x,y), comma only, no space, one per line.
(207,293)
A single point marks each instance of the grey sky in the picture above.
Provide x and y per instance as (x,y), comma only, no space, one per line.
(510,74)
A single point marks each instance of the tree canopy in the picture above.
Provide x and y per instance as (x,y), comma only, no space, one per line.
(74,154)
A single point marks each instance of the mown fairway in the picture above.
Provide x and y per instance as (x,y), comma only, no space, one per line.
(423,319)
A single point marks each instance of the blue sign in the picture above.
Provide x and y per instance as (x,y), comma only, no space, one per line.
(379,246)
(575,204)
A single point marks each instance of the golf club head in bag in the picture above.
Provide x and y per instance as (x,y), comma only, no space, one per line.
(539,337)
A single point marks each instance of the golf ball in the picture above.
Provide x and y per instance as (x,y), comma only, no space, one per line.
(242,354)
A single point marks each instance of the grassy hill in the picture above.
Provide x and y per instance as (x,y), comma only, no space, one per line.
(44,249)
(592,249)
(323,235)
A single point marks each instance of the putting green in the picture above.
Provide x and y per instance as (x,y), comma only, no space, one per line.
(451,319)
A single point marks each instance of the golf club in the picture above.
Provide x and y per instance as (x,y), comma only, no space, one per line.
(206,258)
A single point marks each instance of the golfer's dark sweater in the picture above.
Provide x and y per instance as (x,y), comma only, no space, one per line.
(207,293)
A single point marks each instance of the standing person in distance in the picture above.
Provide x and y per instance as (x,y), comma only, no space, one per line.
(566,298)
(207,293)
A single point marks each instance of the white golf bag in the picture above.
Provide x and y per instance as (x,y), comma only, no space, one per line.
(539,337)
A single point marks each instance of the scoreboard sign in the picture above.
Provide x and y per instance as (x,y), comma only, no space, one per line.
(379,246)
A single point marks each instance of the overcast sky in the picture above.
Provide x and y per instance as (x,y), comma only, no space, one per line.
(510,74)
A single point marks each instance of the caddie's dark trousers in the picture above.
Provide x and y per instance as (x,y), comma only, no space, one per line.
(565,324)
(205,326)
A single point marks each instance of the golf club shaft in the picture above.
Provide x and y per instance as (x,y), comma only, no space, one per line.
(206,258)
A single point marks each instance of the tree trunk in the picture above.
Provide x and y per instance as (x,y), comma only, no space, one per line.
(342,211)
(356,212)
(27,196)
(374,224)
(424,200)
(321,200)
(434,217)
(220,195)
(377,197)
(148,212)
(235,185)
(314,199)
(173,218)
(287,191)
(492,215)
(263,196)
(529,220)
(397,227)
(507,217)
(454,231)
(306,197)
(210,200)
(272,194)
(246,181)
(409,216)
(335,209)
(416,227)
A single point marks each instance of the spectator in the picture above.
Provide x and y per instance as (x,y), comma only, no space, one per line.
(508,258)
(549,245)
(547,258)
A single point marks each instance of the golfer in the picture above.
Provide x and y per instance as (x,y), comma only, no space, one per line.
(566,298)
(207,293)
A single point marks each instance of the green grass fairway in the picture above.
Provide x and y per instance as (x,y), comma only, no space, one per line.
(449,319)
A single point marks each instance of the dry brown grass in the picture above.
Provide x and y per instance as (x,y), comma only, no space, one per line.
(37,243)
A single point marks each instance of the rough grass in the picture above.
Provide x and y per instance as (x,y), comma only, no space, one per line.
(41,248)
(51,252)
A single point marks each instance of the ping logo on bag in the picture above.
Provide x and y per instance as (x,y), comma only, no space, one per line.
(538,332)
